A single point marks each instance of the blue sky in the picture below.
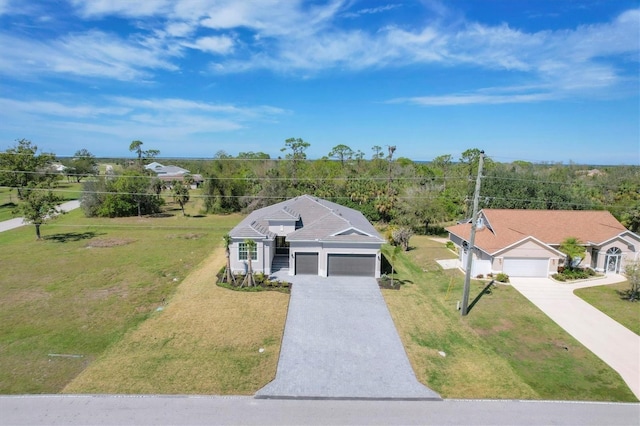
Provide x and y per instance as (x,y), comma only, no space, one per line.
(540,80)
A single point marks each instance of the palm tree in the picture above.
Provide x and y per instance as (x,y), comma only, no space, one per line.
(228,276)
(180,194)
(394,256)
(248,279)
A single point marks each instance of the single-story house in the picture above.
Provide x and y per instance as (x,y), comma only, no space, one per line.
(307,235)
(172,173)
(524,243)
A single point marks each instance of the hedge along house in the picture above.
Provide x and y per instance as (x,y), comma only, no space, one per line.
(525,243)
(307,235)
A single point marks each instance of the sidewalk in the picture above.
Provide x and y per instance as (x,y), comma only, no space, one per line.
(616,345)
(17,222)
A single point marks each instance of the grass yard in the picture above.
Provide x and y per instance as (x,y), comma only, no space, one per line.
(67,298)
(9,197)
(505,348)
(8,202)
(610,299)
(130,306)
(206,341)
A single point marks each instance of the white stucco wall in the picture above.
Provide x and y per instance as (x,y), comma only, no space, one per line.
(265,250)
(282,227)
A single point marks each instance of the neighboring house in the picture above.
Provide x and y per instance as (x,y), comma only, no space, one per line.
(307,235)
(524,243)
(58,167)
(171,173)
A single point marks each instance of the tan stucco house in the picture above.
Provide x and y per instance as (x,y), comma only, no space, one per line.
(524,243)
(307,235)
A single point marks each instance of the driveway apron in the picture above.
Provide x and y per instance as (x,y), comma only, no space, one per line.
(340,343)
(615,344)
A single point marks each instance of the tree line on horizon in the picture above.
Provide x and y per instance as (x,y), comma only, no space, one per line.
(383,185)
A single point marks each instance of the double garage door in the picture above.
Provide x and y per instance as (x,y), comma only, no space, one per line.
(358,265)
(526,267)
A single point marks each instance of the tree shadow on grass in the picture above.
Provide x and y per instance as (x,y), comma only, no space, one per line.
(627,295)
(71,236)
(161,215)
(8,206)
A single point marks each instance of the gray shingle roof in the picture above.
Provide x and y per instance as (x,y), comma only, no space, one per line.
(316,220)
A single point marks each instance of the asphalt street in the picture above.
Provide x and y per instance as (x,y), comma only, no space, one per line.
(219,410)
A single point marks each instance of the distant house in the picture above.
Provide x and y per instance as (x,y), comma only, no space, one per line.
(58,167)
(307,235)
(172,173)
(524,243)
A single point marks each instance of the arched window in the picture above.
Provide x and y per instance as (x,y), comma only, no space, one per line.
(613,260)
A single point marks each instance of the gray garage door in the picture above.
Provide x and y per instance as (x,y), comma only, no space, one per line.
(306,263)
(359,265)
(525,267)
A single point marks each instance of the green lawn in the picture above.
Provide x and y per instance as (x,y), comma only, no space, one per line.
(8,202)
(9,197)
(90,290)
(611,299)
(87,282)
(504,348)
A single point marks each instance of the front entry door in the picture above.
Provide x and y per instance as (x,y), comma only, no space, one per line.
(282,246)
(612,261)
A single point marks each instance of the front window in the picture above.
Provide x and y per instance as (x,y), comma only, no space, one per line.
(243,252)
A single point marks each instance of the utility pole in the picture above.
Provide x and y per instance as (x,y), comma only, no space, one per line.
(472,240)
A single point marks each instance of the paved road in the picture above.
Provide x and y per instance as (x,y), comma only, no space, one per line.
(217,410)
(17,222)
(340,342)
(616,345)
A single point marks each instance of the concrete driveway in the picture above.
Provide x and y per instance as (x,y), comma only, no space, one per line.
(340,343)
(17,222)
(616,345)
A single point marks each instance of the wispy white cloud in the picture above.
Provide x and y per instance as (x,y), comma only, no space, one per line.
(166,121)
(213,44)
(136,9)
(476,98)
(370,10)
(297,37)
(90,54)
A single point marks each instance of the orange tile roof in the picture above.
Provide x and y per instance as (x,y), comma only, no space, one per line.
(505,227)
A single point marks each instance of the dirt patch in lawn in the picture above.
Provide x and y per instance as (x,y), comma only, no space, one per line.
(109,242)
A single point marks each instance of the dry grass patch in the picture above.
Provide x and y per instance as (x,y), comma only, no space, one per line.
(108,242)
(207,340)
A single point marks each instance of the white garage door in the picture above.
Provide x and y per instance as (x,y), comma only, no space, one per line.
(525,267)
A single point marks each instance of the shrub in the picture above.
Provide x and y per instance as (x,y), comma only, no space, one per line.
(502,277)
(449,245)
(479,276)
